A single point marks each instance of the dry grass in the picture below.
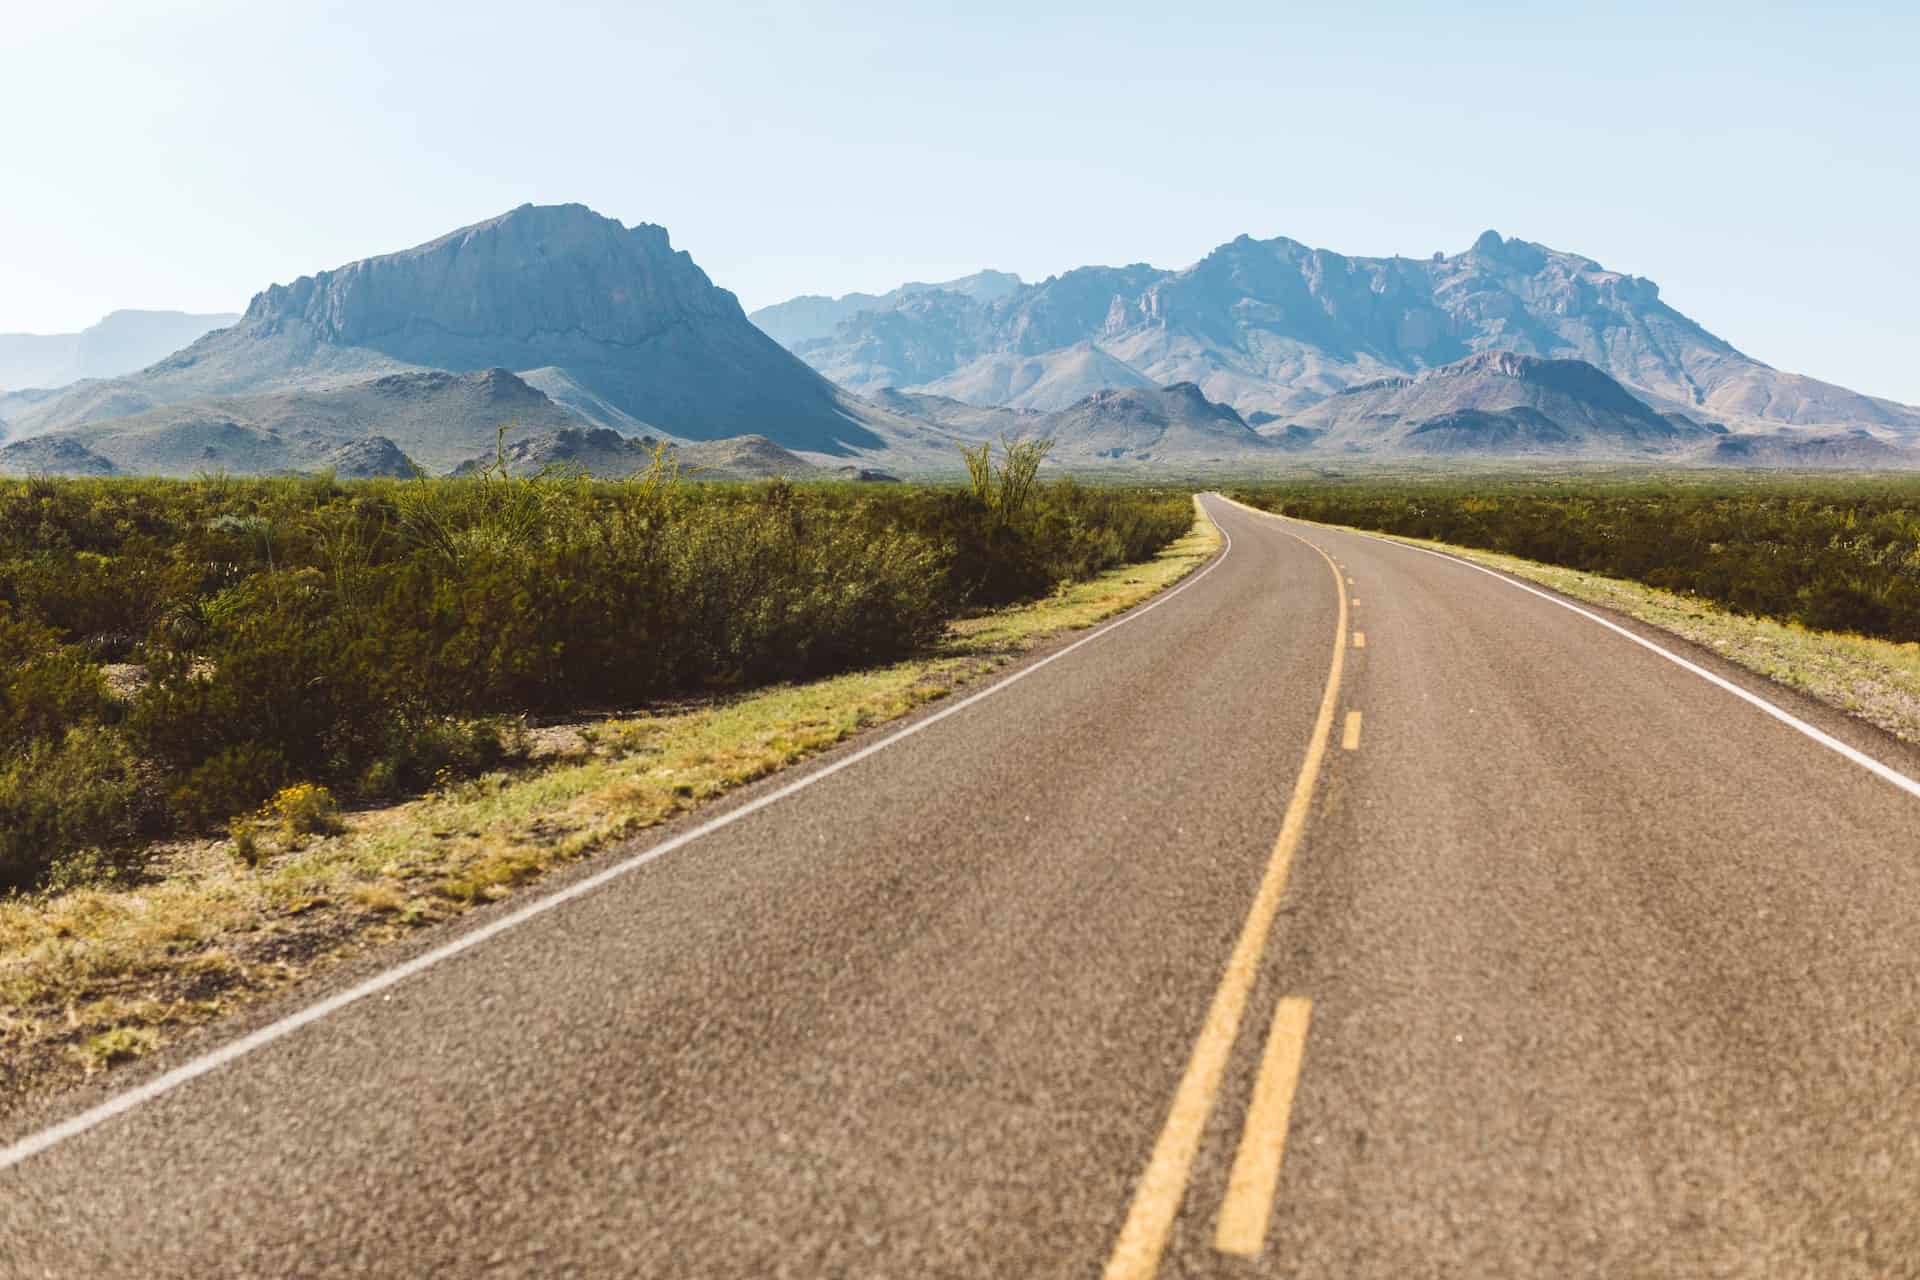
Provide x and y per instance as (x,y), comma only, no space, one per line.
(96,976)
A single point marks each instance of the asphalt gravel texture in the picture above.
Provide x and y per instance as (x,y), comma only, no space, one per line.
(1612,975)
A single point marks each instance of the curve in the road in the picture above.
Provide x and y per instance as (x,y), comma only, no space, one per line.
(1163,1186)
(1879,769)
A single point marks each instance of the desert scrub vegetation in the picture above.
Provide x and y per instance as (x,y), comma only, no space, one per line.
(94,971)
(1835,554)
(175,653)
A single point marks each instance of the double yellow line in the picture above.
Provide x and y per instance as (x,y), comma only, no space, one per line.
(1256,1169)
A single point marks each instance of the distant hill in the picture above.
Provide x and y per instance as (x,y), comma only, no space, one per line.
(1175,424)
(969,421)
(227,448)
(633,330)
(435,418)
(609,455)
(1497,402)
(366,459)
(813,316)
(123,342)
(1275,326)
(1855,450)
(53,456)
(1052,380)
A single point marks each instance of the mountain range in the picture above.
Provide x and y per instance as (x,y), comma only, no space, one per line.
(1276,327)
(563,322)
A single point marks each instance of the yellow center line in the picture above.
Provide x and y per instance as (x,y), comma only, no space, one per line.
(1163,1184)
(1256,1169)
(1350,736)
(1359,639)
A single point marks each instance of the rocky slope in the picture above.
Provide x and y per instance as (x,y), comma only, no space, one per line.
(1276,326)
(122,342)
(615,311)
(1497,402)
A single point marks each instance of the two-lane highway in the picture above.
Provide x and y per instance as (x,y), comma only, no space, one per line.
(1352,911)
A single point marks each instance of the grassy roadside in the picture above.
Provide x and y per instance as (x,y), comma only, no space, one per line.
(98,975)
(1876,680)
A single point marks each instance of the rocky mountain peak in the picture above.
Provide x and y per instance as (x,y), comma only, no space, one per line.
(534,273)
(633,328)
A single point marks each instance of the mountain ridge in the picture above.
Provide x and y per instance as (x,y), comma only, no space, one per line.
(1276,326)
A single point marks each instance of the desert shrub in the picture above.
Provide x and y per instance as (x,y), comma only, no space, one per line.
(45,685)
(84,790)
(775,590)
(426,748)
(230,781)
(304,809)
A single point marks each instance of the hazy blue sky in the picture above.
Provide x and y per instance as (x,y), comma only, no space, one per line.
(1763,165)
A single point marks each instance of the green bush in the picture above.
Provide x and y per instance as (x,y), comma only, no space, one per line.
(84,790)
(45,685)
(232,781)
(376,637)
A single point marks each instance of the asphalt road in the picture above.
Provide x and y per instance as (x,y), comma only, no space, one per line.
(1558,958)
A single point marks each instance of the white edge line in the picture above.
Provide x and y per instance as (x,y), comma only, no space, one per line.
(1883,771)
(33,1144)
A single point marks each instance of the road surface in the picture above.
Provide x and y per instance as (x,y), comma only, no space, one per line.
(1351,911)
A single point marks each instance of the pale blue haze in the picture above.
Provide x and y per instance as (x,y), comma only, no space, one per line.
(1762,164)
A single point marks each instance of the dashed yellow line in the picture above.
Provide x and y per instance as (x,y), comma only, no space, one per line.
(1359,639)
(1242,1228)
(1163,1184)
(1350,736)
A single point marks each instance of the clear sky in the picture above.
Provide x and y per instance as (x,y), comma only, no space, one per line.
(1761,163)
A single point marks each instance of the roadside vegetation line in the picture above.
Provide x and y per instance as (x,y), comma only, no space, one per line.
(1163,1184)
(1242,1229)
(35,1143)
(1879,769)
